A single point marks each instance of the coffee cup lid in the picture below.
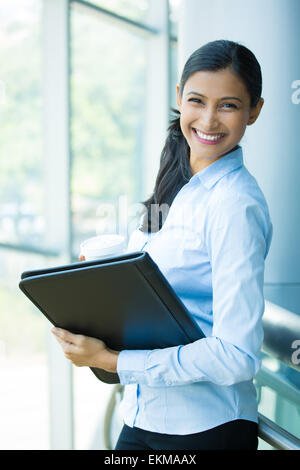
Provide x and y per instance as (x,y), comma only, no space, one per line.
(102,245)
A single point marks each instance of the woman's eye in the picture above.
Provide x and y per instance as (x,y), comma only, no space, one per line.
(225,105)
(196,100)
(230,105)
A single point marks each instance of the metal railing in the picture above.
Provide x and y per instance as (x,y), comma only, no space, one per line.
(279,383)
(275,435)
(269,431)
(281,329)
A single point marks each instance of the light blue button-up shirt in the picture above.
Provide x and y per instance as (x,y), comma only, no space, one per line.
(212,249)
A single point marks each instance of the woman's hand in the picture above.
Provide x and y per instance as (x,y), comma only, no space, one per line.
(86,351)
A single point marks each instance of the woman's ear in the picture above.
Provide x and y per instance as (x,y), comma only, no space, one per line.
(254,112)
(178,97)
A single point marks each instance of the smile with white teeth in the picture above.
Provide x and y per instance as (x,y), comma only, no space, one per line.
(208,137)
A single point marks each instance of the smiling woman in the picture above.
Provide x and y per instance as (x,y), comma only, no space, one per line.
(201,395)
(218,119)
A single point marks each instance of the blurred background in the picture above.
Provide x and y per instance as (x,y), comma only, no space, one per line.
(86,90)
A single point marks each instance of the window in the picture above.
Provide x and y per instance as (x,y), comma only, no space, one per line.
(107,122)
(116,134)
(21,165)
(24,400)
(134,9)
(23,361)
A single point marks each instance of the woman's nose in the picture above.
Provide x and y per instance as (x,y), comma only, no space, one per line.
(209,120)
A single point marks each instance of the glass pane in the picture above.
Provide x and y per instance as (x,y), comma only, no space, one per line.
(24,422)
(21,196)
(134,9)
(174,74)
(107,123)
(174,6)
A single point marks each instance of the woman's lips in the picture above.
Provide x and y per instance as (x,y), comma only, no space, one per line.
(207,141)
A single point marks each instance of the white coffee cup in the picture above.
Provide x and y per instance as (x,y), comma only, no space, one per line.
(103,246)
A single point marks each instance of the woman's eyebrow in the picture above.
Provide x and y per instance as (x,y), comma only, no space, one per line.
(224,97)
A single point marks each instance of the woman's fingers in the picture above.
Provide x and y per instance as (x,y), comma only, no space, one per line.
(63,334)
(69,348)
(84,350)
(67,336)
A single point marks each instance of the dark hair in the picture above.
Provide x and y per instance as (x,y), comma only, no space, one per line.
(174,170)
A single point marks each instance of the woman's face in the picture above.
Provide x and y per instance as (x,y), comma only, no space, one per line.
(215,110)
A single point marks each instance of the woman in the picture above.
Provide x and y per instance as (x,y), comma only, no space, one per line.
(210,241)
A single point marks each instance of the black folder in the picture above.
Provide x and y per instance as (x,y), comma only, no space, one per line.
(123,300)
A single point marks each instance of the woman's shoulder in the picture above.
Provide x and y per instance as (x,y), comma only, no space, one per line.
(238,198)
(239,189)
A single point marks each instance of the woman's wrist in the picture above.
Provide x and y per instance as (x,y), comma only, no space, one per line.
(109,360)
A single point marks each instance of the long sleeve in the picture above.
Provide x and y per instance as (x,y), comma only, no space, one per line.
(237,236)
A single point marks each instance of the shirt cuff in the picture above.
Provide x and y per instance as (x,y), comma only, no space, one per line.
(131,366)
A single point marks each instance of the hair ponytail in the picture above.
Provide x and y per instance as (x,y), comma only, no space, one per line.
(174,172)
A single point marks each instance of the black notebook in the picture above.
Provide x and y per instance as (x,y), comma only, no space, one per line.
(124,300)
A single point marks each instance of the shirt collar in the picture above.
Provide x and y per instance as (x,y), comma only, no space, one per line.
(216,170)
